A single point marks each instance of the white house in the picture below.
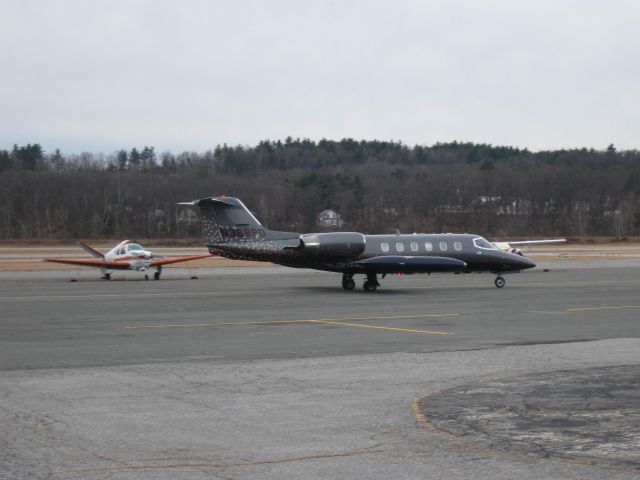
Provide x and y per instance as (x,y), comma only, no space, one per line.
(330,218)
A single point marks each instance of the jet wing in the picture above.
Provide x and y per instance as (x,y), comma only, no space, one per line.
(92,263)
(405,264)
(166,261)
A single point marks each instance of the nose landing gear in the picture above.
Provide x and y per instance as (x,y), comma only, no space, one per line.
(500,282)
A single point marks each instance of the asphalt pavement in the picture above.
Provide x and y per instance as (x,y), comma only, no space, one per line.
(278,373)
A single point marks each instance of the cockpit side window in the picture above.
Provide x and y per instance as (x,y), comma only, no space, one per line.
(133,246)
(484,244)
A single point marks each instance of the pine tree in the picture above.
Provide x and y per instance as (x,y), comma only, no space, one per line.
(122,158)
(134,159)
(148,158)
(58,161)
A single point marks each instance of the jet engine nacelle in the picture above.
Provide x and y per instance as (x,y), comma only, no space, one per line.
(336,244)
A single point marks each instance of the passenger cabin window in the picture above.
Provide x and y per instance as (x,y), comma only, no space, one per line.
(400,246)
(428,246)
(385,247)
(484,244)
(414,246)
(443,246)
(457,246)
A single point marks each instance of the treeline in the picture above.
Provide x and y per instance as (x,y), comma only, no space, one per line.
(375,186)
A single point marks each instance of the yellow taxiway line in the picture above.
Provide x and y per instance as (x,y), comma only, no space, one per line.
(590,309)
(396,329)
(330,321)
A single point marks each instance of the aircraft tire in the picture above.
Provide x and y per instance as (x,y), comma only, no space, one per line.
(146,277)
(369,287)
(156,276)
(500,282)
(348,284)
(107,276)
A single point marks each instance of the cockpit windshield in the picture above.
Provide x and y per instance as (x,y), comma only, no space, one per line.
(482,243)
(134,247)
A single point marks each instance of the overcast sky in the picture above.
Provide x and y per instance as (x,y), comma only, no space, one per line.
(188,75)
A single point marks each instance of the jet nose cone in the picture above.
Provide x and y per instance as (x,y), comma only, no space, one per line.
(513,261)
(525,262)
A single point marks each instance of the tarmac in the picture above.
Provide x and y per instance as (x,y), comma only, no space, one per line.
(275,373)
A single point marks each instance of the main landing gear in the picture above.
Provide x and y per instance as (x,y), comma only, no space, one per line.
(156,274)
(347,281)
(370,284)
(106,276)
(500,281)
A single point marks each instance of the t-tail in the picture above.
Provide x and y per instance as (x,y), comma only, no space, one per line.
(227,220)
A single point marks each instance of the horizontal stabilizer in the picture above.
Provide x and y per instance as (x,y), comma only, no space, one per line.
(211,201)
(403,264)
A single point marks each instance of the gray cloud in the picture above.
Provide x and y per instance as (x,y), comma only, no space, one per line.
(101,75)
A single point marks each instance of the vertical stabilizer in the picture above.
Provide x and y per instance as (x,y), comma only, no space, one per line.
(227,219)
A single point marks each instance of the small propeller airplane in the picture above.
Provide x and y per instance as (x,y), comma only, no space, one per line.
(125,256)
(233,232)
(512,247)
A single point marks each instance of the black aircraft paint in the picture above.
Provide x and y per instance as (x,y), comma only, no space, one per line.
(233,232)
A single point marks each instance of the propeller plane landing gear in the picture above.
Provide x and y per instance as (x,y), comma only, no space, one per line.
(106,276)
(156,276)
(500,282)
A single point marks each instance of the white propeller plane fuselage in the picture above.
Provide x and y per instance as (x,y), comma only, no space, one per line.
(125,256)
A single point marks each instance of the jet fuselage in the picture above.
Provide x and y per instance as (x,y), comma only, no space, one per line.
(341,255)
(233,232)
